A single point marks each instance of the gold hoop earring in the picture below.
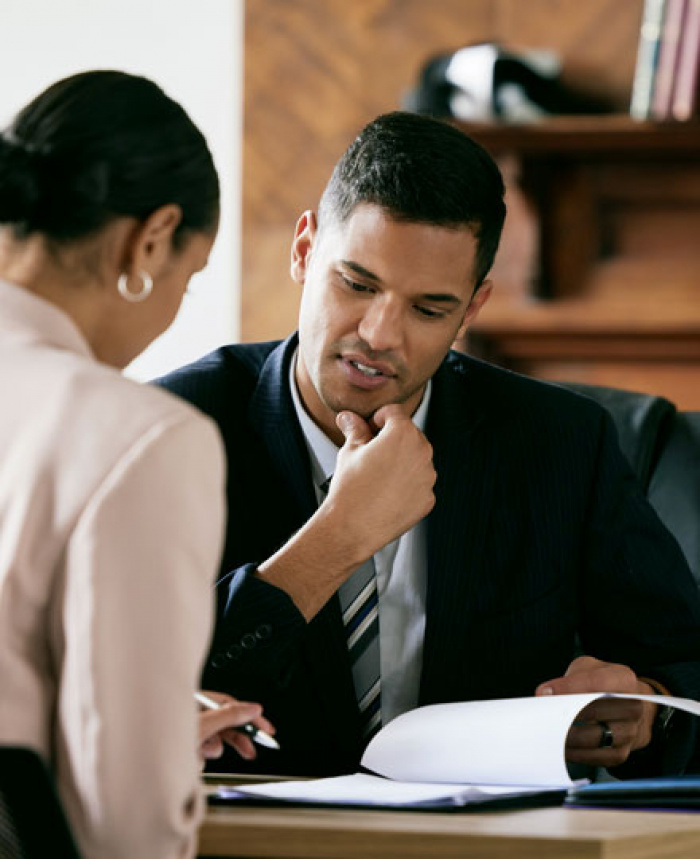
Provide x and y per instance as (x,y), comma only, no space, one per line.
(135,297)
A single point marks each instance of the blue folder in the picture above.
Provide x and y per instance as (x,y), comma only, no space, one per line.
(674,792)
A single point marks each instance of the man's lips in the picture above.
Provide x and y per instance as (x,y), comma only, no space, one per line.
(370,369)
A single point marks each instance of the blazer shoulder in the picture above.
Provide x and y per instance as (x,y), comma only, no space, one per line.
(505,394)
(86,419)
(229,373)
(88,389)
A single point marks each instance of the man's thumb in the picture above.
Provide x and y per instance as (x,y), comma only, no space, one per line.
(353,427)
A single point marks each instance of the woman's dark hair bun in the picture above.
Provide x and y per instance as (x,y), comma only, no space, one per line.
(99,145)
(19,181)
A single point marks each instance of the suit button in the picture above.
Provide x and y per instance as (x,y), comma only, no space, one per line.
(249,641)
(234,652)
(218,660)
(263,631)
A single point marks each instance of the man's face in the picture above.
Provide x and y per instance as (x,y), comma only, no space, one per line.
(382,303)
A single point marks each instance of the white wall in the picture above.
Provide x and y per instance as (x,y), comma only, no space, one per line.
(194,50)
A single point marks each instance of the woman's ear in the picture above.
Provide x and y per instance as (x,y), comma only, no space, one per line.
(478,300)
(304,236)
(152,241)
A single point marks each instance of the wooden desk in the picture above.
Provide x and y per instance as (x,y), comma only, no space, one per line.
(548,833)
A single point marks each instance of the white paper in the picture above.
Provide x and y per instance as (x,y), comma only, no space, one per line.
(519,741)
(363,789)
(509,741)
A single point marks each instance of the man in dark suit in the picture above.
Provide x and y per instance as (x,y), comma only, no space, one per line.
(506,531)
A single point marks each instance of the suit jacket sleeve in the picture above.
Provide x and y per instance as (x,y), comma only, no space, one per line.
(258,628)
(258,634)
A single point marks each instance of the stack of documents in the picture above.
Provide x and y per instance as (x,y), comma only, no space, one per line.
(466,754)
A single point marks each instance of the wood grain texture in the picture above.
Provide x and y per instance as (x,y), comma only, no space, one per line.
(301,833)
(597,40)
(316,71)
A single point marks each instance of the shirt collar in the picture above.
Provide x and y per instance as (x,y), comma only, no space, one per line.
(27,317)
(322,450)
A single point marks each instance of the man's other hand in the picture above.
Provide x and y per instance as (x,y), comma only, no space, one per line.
(607,731)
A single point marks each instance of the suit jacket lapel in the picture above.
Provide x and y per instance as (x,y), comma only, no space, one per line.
(272,414)
(457,527)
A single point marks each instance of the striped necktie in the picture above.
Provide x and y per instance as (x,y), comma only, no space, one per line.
(360,609)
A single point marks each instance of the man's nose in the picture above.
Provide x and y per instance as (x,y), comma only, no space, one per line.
(381,326)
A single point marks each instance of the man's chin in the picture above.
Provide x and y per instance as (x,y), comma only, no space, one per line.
(362,403)
(366,410)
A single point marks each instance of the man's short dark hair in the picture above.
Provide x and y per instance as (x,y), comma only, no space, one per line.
(420,170)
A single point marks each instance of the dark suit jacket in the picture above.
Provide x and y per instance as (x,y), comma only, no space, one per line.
(540,539)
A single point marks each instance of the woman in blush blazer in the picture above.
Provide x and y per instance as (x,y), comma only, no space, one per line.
(111,493)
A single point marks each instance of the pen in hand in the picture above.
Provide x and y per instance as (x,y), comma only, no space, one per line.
(249,729)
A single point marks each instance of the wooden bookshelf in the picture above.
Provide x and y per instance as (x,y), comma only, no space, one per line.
(598,277)
(589,137)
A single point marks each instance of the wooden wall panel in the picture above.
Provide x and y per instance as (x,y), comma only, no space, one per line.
(597,40)
(317,70)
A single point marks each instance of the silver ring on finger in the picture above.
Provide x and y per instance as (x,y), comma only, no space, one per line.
(607,738)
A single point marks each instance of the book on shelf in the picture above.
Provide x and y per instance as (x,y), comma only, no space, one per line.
(460,755)
(685,88)
(667,65)
(653,14)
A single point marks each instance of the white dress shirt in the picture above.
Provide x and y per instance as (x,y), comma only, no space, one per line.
(401,573)
(111,522)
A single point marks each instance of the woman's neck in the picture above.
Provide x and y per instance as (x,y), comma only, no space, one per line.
(29,263)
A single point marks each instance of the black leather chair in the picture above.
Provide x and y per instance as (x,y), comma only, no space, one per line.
(32,822)
(663,447)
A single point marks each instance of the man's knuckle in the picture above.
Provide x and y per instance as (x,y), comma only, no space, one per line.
(618,756)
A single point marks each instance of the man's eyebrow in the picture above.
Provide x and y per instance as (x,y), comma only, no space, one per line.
(438,297)
(441,298)
(361,270)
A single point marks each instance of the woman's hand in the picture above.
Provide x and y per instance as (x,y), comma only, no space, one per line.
(217,726)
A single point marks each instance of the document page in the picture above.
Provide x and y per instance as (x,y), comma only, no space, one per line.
(509,741)
(364,789)
(519,741)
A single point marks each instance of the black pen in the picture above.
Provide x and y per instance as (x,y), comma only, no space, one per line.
(255,734)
